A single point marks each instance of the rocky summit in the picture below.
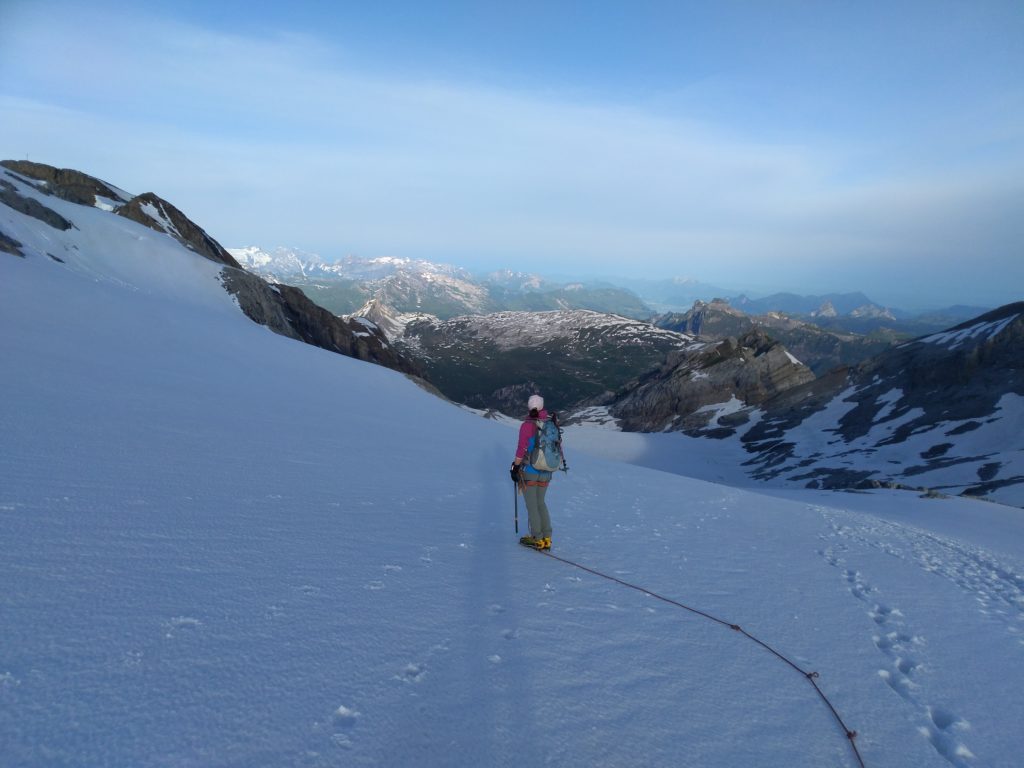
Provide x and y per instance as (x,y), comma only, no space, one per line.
(418,287)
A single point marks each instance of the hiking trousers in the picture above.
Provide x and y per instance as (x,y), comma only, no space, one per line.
(540,521)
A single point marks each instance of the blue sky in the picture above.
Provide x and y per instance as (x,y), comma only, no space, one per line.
(806,146)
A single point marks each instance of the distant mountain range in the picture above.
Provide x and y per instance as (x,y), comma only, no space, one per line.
(486,340)
(446,291)
(818,347)
(442,290)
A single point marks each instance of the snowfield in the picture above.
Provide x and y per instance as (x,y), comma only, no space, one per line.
(221,547)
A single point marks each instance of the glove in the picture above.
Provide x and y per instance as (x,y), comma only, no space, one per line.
(514,472)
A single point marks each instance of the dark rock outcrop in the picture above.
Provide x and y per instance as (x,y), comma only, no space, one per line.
(156,213)
(752,368)
(289,312)
(65,183)
(10,245)
(29,206)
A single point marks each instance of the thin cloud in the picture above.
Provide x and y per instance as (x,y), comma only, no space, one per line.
(284,140)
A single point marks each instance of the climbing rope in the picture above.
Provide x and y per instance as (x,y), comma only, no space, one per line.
(811,677)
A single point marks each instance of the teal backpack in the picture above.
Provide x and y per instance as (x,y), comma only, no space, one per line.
(546,455)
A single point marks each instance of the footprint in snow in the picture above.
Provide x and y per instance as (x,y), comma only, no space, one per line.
(900,647)
(172,626)
(7,680)
(342,740)
(940,732)
(413,673)
(345,716)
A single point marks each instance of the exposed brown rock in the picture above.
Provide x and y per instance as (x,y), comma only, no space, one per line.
(289,312)
(10,245)
(65,183)
(176,224)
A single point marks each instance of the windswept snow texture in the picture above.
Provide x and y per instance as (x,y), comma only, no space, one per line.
(222,547)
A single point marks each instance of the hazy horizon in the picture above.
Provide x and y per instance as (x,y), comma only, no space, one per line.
(794,146)
(726,291)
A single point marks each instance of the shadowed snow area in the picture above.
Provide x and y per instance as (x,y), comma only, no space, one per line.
(219,546)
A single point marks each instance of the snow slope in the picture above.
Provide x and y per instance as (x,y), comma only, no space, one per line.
(221,547)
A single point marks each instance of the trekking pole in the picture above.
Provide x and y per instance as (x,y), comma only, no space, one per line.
(561,448)
(515,495)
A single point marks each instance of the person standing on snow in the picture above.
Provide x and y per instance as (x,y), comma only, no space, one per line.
(533,483)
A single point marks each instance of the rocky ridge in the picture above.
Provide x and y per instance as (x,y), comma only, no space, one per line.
(696,387)
(283,309)
(68,184)
(819,348)
(288,311)
(156,213)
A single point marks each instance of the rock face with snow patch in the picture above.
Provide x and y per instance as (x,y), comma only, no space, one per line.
(693,386)
(10,245)
(65,183)
(288,311)
(29,206)
(943,411)
(156,213)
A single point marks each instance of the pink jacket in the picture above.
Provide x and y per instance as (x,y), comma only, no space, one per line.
(526,431)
